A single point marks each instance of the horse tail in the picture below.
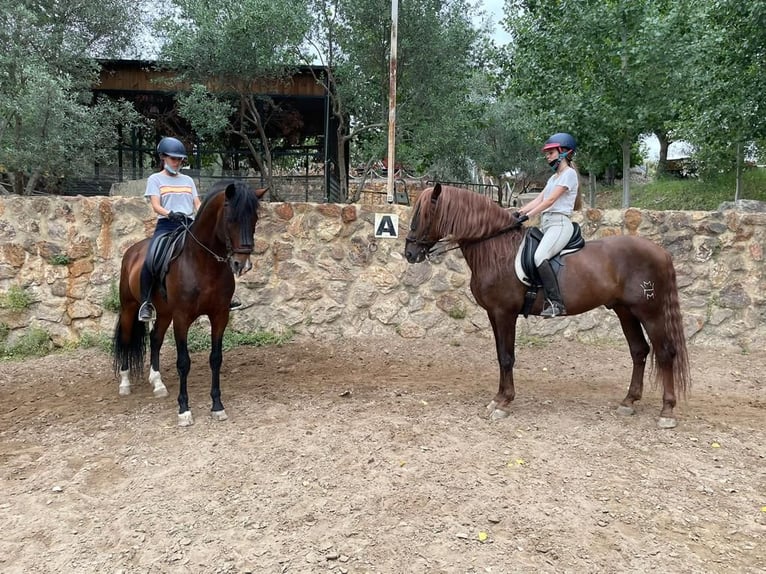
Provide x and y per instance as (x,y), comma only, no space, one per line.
(130,355)
(675,342)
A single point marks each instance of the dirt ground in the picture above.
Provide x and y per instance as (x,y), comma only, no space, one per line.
(375,456)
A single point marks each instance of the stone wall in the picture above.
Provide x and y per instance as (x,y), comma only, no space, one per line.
(319,270)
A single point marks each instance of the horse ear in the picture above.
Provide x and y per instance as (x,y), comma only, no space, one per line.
(231,190)
(436,192)
(261,192)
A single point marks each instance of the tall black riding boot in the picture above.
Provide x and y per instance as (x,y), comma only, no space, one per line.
(554,304)
(146,312)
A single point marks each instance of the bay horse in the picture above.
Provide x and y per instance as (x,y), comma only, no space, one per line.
(630,275)
(199,281)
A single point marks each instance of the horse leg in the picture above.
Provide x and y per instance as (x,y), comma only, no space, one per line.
(639,349)
(123,339)
(217,411)
(183,365)
(156,337)
(128,347)
(504,329)
(664,355)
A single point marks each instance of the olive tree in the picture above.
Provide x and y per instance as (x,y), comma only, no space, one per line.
(50,125)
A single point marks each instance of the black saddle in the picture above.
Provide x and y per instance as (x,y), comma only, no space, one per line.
(532,242)
(163,249)
(534,236)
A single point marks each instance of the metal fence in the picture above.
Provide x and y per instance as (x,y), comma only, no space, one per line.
(298,173)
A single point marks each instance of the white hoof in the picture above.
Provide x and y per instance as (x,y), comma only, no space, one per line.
(158,387)
(218,415)
(625,411)
(497,415)
(124,388)
(667,423)
(185,419)
(491,407)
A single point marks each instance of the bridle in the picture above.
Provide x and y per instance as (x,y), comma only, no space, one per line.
(247,246)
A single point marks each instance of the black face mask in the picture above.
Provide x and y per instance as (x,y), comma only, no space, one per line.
(554,163)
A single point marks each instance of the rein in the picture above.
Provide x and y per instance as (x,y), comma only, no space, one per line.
(229,249)
(502,231)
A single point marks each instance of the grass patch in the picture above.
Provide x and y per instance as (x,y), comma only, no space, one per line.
(35,342)
(198,338)
(111,301)
(457,312)
(15,299)
(533,341)
(100,341)
(703,194)
(60,259)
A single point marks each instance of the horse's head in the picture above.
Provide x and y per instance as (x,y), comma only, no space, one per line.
(423,235)
(236,223)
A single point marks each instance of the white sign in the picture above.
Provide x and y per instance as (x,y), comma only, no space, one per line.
(387,225)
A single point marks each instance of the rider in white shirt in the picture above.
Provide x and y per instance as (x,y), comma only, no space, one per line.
(555,203)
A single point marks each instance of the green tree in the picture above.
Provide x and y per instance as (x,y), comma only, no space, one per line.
(224,49)
(726,117)
(595,68)
(436,119)
(50,127)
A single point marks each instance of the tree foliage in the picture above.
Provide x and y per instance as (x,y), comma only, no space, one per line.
(225,49)
(602,69)
(50,127)
(436,118)
(726,113)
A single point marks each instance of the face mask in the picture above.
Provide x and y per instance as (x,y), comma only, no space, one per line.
(554,163)
(170,170)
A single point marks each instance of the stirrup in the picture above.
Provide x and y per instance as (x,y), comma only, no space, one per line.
(146,312)
(552,309)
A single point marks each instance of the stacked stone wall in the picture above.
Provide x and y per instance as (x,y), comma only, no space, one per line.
(320,271)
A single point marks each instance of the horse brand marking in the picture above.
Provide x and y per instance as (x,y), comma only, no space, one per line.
(648,287)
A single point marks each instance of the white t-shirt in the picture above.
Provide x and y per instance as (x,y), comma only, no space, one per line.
(176,192)
(566,201)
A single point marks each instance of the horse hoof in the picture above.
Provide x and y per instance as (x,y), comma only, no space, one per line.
(124,390)
(219,415)
(185,419)
(667,423)
(491,407)
(497,415)
(160,392)
(625,410)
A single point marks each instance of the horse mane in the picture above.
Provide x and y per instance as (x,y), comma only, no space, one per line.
(470,220)
(242,205)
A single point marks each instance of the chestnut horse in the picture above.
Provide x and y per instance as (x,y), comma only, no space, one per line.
(199,281)
(630,275)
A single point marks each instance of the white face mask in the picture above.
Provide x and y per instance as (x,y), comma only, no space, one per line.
(170,169)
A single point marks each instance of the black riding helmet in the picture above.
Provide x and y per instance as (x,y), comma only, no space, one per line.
(171,147)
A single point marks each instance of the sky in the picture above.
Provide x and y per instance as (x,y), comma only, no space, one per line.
(494,9)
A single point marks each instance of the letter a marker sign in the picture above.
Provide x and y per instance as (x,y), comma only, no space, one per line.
(387,225)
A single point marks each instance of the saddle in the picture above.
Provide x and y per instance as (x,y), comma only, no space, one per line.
(526,270)
(162,251)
